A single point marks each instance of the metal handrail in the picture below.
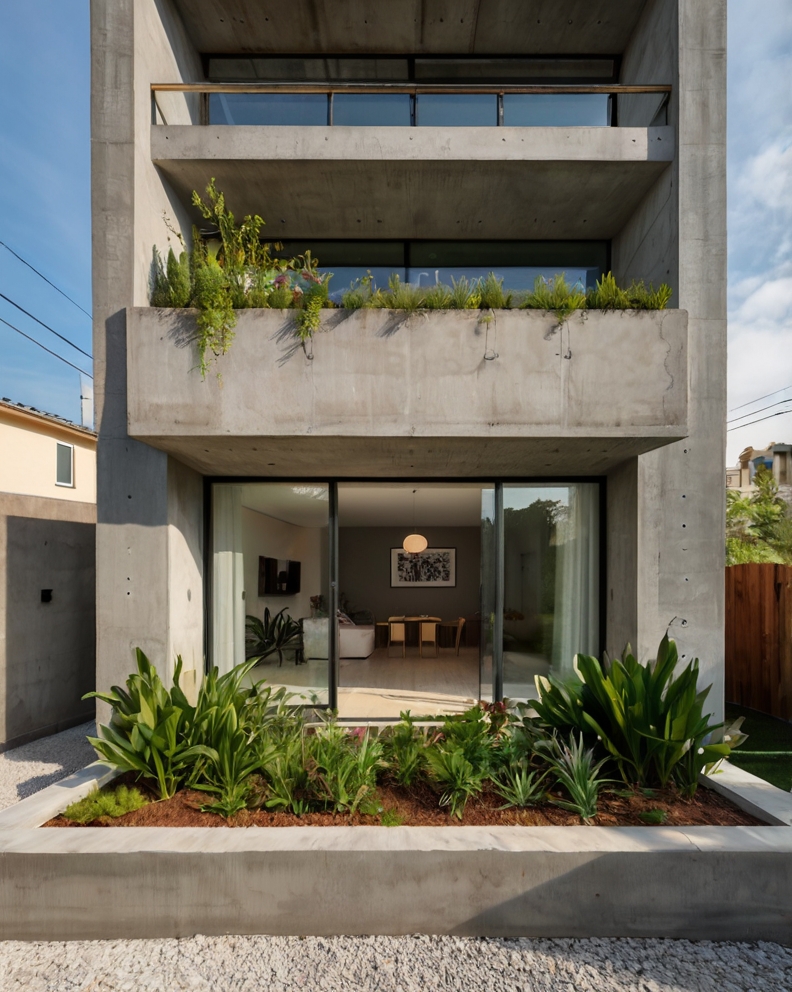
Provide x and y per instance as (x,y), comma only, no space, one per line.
(413,89)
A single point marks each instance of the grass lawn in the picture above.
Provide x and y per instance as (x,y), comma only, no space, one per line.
(768,751)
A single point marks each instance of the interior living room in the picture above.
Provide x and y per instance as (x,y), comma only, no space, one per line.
(420,568)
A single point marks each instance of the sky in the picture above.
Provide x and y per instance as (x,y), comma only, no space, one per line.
(45,209)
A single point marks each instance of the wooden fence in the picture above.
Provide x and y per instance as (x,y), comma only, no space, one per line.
(759,638)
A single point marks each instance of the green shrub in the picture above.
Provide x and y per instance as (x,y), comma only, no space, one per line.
(465,295)
(574,768)
(650,722)
(150,730)
(112,802)
(519,785)
(555,296)
(342,767)
(492,296)
(437,297)
(454,776)
(400,296)
(607,295)
(404,750)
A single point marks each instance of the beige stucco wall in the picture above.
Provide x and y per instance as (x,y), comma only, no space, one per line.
(28,447)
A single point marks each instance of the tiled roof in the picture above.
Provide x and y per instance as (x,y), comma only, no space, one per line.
(6,402)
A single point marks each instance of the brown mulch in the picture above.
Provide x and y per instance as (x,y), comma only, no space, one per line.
(417,807)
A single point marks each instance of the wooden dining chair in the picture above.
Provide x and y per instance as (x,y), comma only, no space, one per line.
(428,635)
(397,633)
(460,627)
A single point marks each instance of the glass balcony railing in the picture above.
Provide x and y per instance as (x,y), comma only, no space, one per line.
(411,105)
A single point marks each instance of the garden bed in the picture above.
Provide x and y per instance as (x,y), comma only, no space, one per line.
(417,807)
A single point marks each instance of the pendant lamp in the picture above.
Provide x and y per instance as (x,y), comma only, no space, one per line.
(414,544)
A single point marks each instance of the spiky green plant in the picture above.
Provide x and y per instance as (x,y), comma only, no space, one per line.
(574,768)
(492,293)
(520,785)
(453,776)
(404,749)
(402,295)
(465,295)
(555,296)
(437,297)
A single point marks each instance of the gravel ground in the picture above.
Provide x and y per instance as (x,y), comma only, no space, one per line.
(395,964)
(32,767)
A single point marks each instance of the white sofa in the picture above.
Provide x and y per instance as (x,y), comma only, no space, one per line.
(354,640)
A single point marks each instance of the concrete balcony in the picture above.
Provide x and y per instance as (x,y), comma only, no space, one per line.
(389,394)
(411,183)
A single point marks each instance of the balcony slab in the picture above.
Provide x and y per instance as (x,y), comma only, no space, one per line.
(412,183)
(386,393)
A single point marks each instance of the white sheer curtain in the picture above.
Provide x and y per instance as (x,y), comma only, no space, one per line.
(576,623)
(228,578)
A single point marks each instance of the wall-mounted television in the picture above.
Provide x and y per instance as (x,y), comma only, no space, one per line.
(278,577)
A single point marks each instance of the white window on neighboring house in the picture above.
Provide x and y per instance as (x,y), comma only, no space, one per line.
(65,465)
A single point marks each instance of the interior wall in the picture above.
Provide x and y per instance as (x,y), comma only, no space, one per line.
(263,535)
(364,572)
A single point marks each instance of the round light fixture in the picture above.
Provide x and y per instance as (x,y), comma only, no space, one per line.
(414,544)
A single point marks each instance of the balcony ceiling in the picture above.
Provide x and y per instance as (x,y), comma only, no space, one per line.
(537,183)
(474,27)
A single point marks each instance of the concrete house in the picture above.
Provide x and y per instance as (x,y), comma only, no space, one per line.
(564,477)
(47,573)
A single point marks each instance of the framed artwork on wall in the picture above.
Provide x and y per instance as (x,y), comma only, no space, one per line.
(434,568)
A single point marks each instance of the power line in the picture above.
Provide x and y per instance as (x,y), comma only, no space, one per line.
(46,280)
(55,354)
(766,396)
(760,410)
(57,335)
(780,413)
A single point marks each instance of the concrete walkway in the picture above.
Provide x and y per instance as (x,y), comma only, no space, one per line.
(32,767)
(403,964)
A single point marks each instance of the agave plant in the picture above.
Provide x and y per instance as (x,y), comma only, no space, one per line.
(271,635)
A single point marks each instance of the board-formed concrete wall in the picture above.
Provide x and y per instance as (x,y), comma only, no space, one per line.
(47,649)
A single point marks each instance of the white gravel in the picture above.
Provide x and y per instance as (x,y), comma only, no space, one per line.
(32,767)
(395,964)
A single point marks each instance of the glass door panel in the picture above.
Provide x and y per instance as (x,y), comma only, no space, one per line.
(270,576)
(489,556)
(551,578)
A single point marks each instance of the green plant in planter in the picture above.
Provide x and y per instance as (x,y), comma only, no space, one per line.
(454,776)
(493,296)
(342,767)
(404,750)
(650,721)
(607,295)
(150,729)
(520,785)
(465,294)
(110,802)
(555,296)
(574,768)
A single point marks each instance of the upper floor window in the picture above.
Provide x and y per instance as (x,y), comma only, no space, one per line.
(425,263)
(64,470)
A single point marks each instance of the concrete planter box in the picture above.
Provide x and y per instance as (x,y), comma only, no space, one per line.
(725,883)
(383,387)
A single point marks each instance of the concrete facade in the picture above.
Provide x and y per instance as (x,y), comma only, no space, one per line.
(162,429)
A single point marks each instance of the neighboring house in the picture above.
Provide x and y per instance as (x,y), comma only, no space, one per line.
(564,473)
(775,457)
(47,571)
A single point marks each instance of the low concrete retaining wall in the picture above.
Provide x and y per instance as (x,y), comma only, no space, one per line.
(726,883)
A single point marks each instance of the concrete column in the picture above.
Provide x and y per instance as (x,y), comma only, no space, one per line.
(149,508)
(679,235)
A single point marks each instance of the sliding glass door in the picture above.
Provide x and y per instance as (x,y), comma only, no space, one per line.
(271,594)
(520,598)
